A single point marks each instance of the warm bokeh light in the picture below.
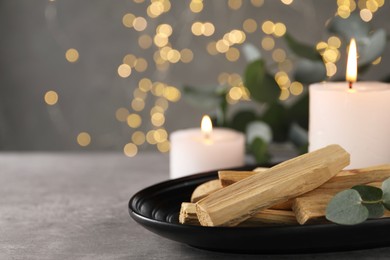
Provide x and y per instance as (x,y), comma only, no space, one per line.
(268,43)
(128,19)
(140,23)
(145,41)
(287,2)
(130,150)
(121,114)
(72,55)
(134,120)
(257,3)
(51,97)
(234,4)
(268,27)
(196,6)
(366,15)
(83,139)
(138,138)
(296,88)
(249,25)
(124,70)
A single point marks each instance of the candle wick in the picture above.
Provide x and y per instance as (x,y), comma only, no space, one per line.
(350,84)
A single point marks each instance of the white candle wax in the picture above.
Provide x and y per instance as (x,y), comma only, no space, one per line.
(193,152)
(358,119)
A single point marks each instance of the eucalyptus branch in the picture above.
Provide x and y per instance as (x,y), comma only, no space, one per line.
(356,205)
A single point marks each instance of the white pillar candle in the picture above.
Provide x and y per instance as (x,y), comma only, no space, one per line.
(358,119)
(193,150)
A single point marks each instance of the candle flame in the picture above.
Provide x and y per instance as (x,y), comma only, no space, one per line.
(206,126)
(351,74)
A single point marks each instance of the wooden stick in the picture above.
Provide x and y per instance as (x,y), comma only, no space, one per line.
(205,189)
(227,178)
(312,208)
(342,181)
(267,216)
(188,214)
(241,200)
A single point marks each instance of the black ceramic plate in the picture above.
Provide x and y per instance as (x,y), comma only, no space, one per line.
(157,209)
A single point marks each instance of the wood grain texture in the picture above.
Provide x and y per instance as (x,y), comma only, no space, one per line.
(241,200)
(343,180)
(265,217)
(205,189)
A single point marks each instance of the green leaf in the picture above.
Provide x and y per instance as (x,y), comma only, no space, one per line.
(259,149)
(241,120)
(375,210)
(370,48)
(261,85)
(369,193)
(386,193)
(308,71)
(352,27)
(298,136)
(258,129)
(302,50)
(346,208)
(299,111)
(202,98)
(276,116)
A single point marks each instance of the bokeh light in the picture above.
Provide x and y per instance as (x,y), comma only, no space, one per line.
(51,97)
(83,139)
(72,55)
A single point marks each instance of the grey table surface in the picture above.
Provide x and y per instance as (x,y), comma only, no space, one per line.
(74,206)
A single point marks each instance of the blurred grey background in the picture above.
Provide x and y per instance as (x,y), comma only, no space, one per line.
(35,36)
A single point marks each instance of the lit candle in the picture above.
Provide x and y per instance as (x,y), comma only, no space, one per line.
(355,115)
(203,149)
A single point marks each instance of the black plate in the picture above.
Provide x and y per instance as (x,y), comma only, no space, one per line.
(157,209)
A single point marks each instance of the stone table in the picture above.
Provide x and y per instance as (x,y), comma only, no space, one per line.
(74,206)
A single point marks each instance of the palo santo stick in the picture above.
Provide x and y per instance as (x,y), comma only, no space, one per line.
(188,214)
(205,189)
(227,178)
(343,180)
(267,216)
(312,208)
(241,200)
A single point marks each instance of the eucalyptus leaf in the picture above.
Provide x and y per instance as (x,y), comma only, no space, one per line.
(299,111)
(261,85)
(258,129)
(309,71)
(375,210)
(298,135)
(202,98)
(352,27)
(241,119)
(301,49)
(370,48)
(346,208)
(276,116)
(251,52)
(386,193)
(369,193)
(259,149)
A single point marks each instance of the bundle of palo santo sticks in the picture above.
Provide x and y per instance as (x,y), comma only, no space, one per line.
(296,191)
